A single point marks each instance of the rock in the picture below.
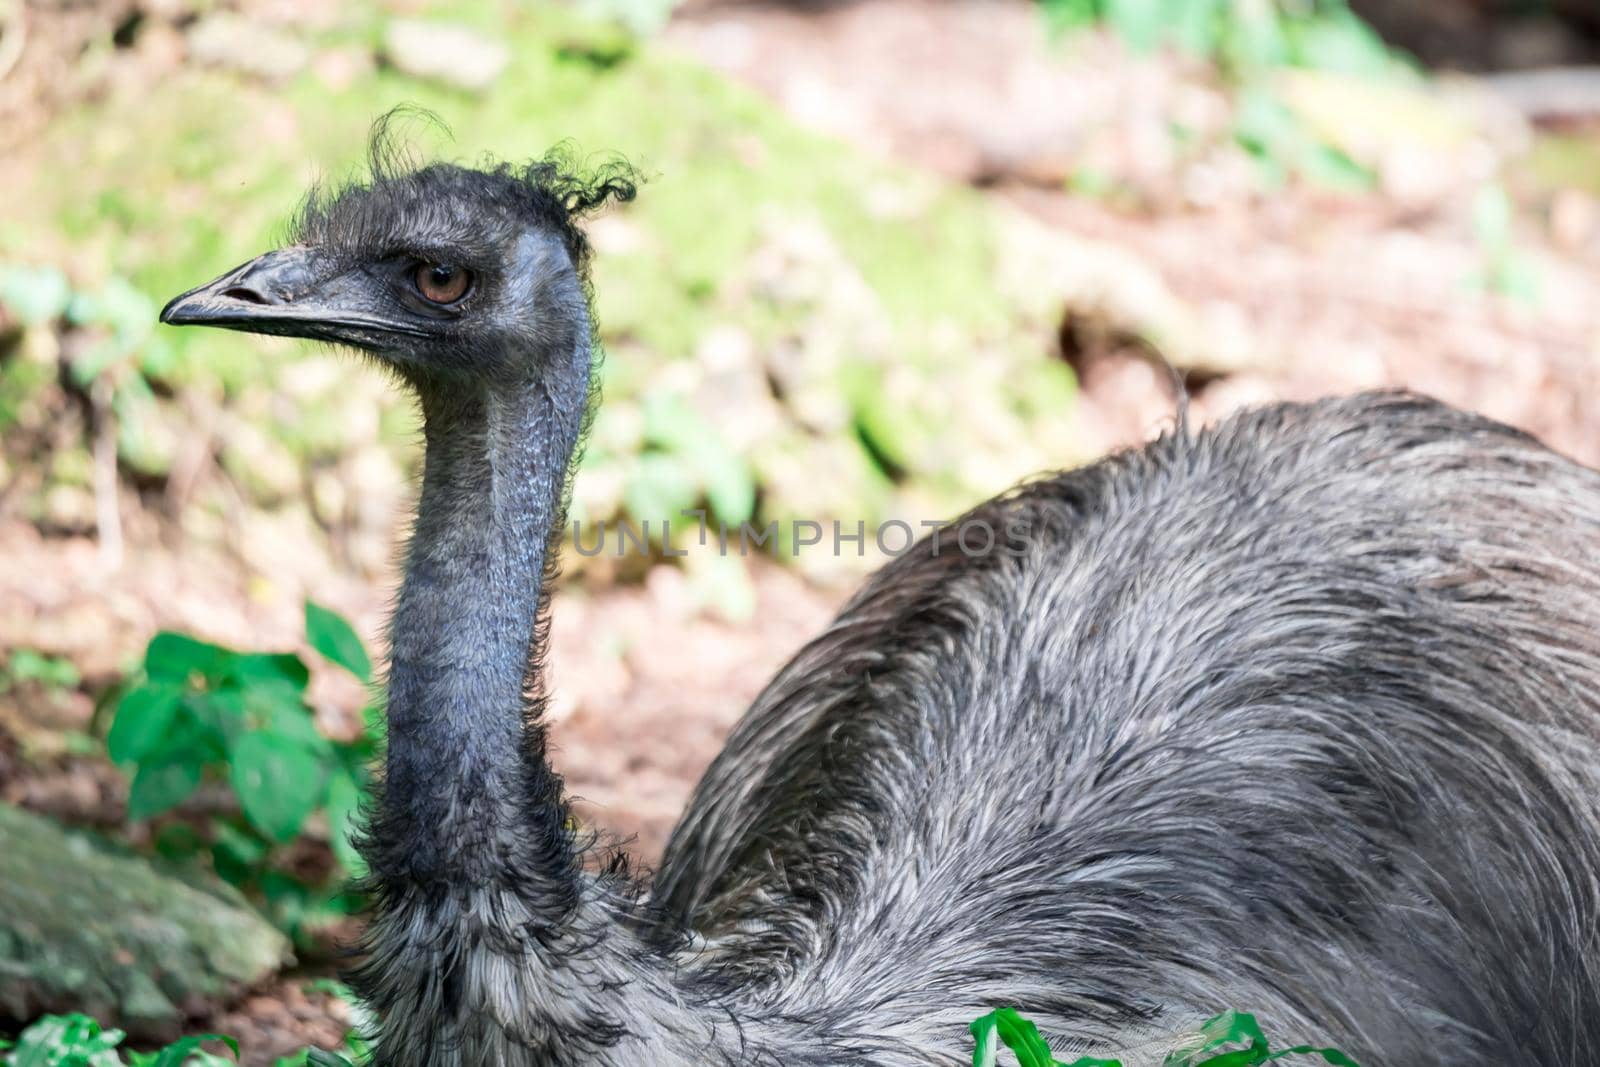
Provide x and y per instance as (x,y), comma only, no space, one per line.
(86,927)
(445,52)
(224,39)
(1556,93)
(1116,294)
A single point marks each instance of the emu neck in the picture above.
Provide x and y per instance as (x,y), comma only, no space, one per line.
(467,790)
(489,947)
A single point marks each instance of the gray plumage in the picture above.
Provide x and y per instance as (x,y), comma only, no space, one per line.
(1295,715)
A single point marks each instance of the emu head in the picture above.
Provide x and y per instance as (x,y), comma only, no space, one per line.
(443,272)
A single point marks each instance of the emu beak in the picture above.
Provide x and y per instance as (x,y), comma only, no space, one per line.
(294,292)
(271,288)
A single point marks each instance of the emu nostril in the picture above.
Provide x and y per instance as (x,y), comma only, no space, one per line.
(244,295)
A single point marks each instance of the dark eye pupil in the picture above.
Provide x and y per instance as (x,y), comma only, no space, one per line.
(442,275)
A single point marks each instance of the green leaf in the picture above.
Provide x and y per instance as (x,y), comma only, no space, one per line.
(1329,1055)
(66,1041)
(128,311)
(175,657)
(359,1048)
(1232,1027)
(375,725)
(1138,22)
(181,1052)
(660,486)
(163,783)
(702,459)
(730,488)
(288,899)
(232,868)
(278,780)
(53,672)
(334,637)
(1332,167)
(217,719)
(1492,216)
(1256,40)
(1342,42)
(1265,127)
(344,810)
(1085,181)
(329,987)
(240,848)
(1517,276)
(1229,1028)
(319,1058)
(34,294)
(1022,1038)
(276,707)
(986,1043)
(1196,26)
(252,667)
(144,716)
(1067,15)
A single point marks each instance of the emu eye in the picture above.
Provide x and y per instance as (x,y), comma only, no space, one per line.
(442,283)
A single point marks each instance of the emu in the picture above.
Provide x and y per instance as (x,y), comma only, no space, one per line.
(1297,714)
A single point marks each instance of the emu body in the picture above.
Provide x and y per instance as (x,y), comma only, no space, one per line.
(1296,715)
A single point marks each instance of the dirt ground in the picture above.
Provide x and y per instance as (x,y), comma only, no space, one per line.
(1324,294)
(1313,293)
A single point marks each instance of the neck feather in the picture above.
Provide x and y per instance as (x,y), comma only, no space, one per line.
(468,791)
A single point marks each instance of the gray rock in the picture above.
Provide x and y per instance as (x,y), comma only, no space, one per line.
(227,40)
(444,52)
(87,927)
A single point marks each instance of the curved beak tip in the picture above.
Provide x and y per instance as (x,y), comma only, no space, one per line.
(173,313)
(203,305)
(244,297)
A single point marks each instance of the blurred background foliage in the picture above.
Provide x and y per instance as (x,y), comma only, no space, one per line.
(791,329)
(891,257)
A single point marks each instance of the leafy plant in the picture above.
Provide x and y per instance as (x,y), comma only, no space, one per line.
(1243,36)
(316,1057)
(1248,40)
(1281,145)
(686,460)
(1232,1039)
(1505,269)
(198,711)
(121,350)
(79,1041)
(643,18)
(50,672)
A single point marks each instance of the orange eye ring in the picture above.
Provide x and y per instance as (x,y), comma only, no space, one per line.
(442,283)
